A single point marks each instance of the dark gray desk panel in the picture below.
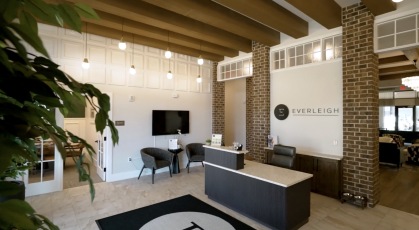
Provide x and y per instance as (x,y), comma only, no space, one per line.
(276,206)
(224,158)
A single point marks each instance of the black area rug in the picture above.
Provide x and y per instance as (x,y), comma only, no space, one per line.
(185,212)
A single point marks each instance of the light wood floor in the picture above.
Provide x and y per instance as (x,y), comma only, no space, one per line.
(72,209)
(400,188)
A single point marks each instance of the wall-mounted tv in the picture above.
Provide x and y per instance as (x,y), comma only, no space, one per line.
(166,122)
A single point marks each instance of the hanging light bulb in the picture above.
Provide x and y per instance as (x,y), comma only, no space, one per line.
(199,79)
(200,60)
(85,64)
(169,75)
(122,44)
(132,70)
(168,54)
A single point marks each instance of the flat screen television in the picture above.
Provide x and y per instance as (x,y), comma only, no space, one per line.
(166,122)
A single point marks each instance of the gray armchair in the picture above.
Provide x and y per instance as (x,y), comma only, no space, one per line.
(195,153)
(155,158)
(283,156)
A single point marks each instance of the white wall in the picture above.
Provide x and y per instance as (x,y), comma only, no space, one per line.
(235,111)
(311,86)
(150,87)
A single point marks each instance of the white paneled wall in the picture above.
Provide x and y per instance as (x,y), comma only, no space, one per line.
(149,86)
(109,65)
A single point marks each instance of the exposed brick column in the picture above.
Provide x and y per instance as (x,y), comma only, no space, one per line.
(218,103)
(258,103)
(360,104)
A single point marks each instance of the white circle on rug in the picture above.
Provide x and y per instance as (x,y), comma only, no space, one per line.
(187,220)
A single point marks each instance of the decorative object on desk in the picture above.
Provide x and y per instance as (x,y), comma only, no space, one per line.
(208,141)
(185,212)
(237,146)
(272,140)
(216,139)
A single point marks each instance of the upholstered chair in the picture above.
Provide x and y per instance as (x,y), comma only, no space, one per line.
(195,153)
(155,158)
(283,156)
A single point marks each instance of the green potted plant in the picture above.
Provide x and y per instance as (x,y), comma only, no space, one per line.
(32,88)
(208,141)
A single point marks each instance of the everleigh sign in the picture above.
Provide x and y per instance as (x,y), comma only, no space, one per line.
(282,111)
(315,112)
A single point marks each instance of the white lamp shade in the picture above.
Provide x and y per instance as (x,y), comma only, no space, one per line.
(199,79)
(168,54)
(122,45)
(85,64)
(169,75)
(200,61)
(132,70)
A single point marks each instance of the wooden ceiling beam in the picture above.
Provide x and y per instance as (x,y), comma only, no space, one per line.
(151,15)
(380,7)
(146,41)
(397,69)
(211,13)
(114,22)
(399,75)
(389,60)
(326,12)
(271,14)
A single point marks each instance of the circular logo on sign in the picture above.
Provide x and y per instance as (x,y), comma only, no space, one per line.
(187,220)
(281,112)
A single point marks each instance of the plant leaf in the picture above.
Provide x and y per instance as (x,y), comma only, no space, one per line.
(28,21)
(30,37)
(70,16)
(85,11)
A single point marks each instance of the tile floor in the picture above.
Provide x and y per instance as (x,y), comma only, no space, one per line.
(72,209)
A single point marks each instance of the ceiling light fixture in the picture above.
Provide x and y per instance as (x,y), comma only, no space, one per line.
(412,82)
(122,45)
(199,79)
(396,1)
(169,74)
(132,70)
(168,54)
(200,60)
(85,64)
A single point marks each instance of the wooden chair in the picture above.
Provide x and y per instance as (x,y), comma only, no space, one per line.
(74,150)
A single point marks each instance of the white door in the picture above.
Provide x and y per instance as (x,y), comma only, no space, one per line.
(47,174)
(104,149)
(101,156)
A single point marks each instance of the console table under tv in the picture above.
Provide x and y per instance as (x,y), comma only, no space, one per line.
(277,197)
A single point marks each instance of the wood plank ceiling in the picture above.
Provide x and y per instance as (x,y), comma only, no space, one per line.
(216,29)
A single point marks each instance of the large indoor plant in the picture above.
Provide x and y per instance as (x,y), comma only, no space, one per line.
(31,89)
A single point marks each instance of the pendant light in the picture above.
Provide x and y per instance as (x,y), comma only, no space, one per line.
(132,70)
(85,64)
(199,79)
(200,60)
(122,45)
(168,54)
(169,74)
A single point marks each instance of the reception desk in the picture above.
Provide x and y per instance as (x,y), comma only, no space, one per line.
(274,196)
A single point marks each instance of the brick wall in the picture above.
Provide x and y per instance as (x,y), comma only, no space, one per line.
(258,103)
(218,103)
(360,104)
